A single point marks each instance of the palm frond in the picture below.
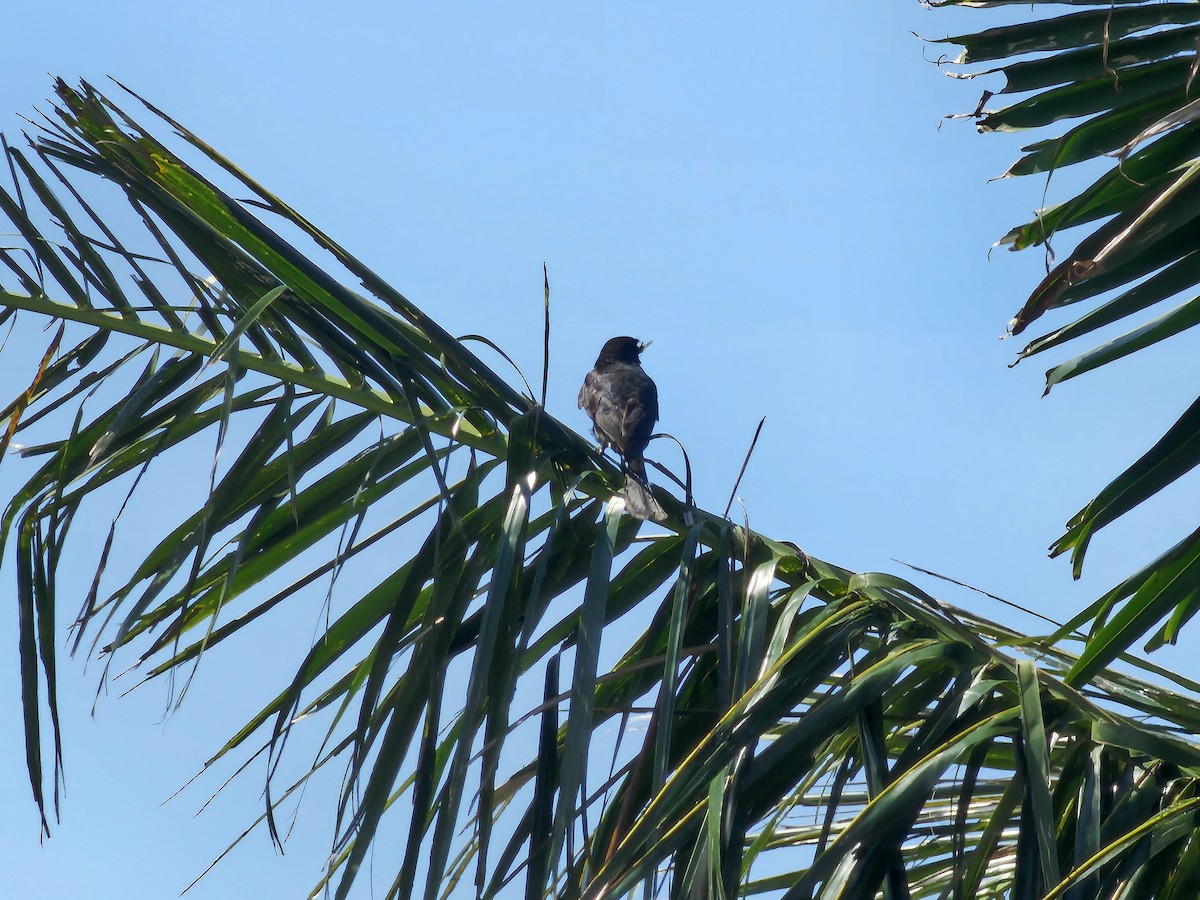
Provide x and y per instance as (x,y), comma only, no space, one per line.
(1122,77)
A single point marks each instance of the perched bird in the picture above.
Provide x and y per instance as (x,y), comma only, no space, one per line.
(622,403)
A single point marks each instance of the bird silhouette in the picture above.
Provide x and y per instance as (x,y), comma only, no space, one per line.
(622,402)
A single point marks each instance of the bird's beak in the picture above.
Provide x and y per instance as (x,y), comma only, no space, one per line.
(643,345)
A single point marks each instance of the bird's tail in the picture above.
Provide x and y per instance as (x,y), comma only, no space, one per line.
(638,499)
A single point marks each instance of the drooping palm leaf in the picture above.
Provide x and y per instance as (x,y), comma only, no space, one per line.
(1115,80)
(778,723)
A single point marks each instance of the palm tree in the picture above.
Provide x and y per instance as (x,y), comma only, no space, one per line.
(775,723)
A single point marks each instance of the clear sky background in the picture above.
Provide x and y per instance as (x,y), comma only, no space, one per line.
(766,191)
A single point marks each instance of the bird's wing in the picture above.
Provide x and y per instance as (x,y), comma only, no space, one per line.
(639,410)
(651,402)
(597,401)
(589,394)
(632,414)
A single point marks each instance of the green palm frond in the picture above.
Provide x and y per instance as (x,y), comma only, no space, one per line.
(1116,82)
(770,723)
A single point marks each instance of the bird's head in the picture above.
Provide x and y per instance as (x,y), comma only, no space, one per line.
(621,350)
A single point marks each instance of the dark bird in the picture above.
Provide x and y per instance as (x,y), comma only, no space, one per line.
(622,402)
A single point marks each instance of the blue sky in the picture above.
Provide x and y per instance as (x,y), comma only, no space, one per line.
(769,194)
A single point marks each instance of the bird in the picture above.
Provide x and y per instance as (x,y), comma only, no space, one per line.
(622,402)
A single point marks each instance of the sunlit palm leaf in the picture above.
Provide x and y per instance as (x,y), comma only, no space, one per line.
(1123,75)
